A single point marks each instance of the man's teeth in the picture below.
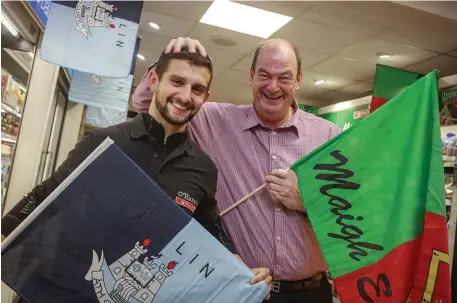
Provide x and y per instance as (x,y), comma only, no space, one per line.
(179,106)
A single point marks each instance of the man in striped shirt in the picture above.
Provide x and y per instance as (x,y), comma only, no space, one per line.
(254,144)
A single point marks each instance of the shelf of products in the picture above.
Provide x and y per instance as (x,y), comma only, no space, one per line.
(12,102)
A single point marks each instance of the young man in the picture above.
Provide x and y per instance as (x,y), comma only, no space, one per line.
(271,228)
(158,142)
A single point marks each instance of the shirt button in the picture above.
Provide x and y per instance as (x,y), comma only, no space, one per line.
(278,239)
(156,156)
(274,157)
(278,210)
(274,133)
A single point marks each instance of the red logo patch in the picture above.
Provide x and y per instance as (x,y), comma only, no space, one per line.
(186,204)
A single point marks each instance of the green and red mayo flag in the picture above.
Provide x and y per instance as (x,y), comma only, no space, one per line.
(375,198)
(390,81)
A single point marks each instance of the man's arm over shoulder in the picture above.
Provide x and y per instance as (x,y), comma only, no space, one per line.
(208,124)
(38,194)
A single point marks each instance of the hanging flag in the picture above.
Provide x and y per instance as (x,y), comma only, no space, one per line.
(107,98)
(93,37)
(375,198)
(108,233)
(101,117)
(389,82)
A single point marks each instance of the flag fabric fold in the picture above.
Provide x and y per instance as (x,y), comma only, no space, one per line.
(375,198)
(108,233)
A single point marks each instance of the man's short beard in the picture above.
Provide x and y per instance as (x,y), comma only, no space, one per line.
(165,113)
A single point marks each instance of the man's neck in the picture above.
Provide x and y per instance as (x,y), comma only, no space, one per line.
(169,128)
(273,124)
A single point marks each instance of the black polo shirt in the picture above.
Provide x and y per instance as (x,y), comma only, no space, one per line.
(187,174)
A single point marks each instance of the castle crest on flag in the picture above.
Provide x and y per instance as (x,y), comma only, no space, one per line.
(132,278)
(93,14)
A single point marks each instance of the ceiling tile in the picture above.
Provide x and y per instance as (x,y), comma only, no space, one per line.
(310,58)
(231,75)
(172,27)
(425,38)
(445,64)
(331,14)
(310,90)
(403,55)
(318,37)
(231,92)
(222,58)
(357,88)
(188,10)
(345,68)
(204,32)
(335,97)
(244,64)
(331,84)
(288,8)
(153,43)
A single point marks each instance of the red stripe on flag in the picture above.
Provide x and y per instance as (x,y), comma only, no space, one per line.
(418,269)
(377,102)
(186,204)
(432,282)
(389,280)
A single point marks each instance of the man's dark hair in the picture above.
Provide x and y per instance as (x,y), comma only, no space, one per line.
(194,58)
(294,47)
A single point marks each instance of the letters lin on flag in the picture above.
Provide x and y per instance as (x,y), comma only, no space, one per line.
(109,234)
(95,37)
(375,198)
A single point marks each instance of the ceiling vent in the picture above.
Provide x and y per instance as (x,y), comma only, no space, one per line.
(223,41)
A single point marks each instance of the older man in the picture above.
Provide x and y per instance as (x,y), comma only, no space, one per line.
(255,144)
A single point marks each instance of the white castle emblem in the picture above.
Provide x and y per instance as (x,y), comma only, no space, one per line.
(127,280)
(93,14)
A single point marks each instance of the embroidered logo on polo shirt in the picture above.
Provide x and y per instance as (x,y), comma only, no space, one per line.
(184,199)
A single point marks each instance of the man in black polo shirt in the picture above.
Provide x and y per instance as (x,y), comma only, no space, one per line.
(159,144)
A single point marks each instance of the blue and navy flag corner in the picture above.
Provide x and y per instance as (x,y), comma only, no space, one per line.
(111,234)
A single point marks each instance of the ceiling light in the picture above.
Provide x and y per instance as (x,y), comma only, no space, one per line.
(384,55)
(139,56)
(319,82)
(7,23)
(154,25)
(243,18)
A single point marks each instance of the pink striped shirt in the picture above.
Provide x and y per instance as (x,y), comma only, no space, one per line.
(245,151)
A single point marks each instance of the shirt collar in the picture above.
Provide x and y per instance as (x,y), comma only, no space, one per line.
(145,125)
(253,120)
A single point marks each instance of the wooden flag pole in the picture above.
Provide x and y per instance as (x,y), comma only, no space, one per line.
(243,199)
(246,197)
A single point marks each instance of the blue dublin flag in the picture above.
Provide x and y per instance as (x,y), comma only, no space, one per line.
(96,37)
(108,233)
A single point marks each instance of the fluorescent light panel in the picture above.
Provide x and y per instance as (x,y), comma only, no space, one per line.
(244,19)
(7,23)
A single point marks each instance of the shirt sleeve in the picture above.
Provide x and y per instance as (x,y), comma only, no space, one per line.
(38,194)
(207,215)
(206,126)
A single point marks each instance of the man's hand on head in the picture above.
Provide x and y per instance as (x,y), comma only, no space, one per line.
(177,44)
(282,186)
